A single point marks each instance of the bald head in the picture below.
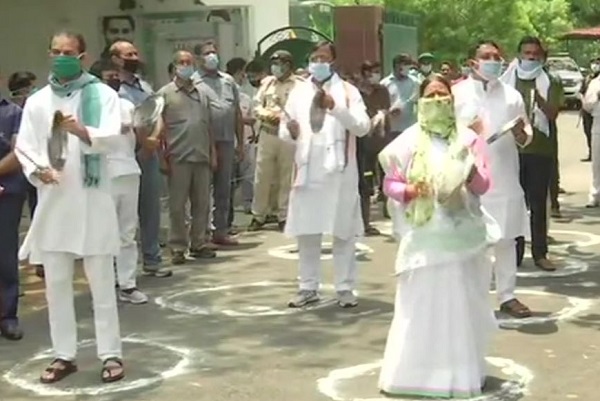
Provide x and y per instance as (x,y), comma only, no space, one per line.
(182,55)
(125,55)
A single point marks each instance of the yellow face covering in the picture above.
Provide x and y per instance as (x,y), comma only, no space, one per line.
(436,117)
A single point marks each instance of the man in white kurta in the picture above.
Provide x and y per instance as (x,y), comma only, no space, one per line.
(124,172)
(75,217)
(488,104)
(591,104)
(324,198)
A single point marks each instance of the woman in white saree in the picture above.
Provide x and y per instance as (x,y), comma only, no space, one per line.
(443,318)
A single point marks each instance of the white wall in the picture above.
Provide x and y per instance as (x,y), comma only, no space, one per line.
(25,25)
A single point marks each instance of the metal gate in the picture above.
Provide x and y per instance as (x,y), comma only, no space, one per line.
(399,34)
(298,40)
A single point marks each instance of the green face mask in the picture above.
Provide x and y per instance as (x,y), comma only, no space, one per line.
(436,115)
(64,67)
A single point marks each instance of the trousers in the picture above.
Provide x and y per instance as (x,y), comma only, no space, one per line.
(594,195)
(535,174)
(125,193)
(11,206)
(505,269)
(149,209)
(59,268)
(274,166)
(344,261)
(222,186)
(188,182)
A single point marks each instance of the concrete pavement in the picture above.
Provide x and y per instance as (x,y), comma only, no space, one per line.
(220,331)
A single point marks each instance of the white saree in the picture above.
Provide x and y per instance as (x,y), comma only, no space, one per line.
(443,320)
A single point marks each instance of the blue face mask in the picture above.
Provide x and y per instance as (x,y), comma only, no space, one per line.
(185,72)
(319,71)
(530,65)
(211,62)
(277,70)
(490,70)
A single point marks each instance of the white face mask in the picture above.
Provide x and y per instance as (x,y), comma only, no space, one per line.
(595,67)
(426,68)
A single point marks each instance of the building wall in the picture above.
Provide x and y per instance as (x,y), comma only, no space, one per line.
(25,25)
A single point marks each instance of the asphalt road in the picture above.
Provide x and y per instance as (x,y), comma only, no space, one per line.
(220,331)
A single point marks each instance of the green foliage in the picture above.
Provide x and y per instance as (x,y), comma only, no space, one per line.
(450,27)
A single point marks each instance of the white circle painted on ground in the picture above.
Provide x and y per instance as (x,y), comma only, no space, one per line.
(587,239)
(170,302)
(290,252)
(15,375)
(520,378)
(567,267)
(575,307)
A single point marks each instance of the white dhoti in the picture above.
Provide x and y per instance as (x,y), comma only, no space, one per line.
(59,268)
(344,261)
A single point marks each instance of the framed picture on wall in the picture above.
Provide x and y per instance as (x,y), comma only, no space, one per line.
(116,27)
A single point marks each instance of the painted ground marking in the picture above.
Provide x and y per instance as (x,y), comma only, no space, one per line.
(520,378)
(170,302)
(16,378)
(575,307)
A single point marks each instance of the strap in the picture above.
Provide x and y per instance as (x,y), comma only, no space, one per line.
(347,140)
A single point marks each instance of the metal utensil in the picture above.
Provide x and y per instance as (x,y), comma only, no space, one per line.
(58,142)
(506,128)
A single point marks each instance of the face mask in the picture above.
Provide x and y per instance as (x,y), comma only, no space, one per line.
(131,66)
(114,83)
(403,71)
(426,68)
(320,71)
(530,65)
(595,67)
(66,66)
(185,72)
(490,70)
(211,62)
(436,115)
(277,70)
(375,78)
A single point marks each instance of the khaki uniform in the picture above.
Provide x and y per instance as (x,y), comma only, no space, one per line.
(275,157)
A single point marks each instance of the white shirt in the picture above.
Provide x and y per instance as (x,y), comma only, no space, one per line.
(122,161)
(246,106)
(70,217)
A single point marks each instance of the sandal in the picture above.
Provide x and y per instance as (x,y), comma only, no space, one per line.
(109,367)
(515,309)
(57,371)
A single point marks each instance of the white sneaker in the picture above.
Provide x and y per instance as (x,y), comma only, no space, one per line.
(346,299)
(133,296)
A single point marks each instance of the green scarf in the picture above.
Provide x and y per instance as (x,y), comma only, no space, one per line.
(89,113)
(436,118)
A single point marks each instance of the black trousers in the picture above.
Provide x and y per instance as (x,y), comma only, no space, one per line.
(587,121)
(11,208)
(535,175)
(367,163)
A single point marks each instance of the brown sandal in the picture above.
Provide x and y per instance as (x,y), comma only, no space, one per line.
(59,369)
(515,308)
(109,366)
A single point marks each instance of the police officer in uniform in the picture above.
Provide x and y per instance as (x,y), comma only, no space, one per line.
(275,157)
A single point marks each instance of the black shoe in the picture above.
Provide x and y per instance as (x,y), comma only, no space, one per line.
(11,331)
(281,225)
(271,218)
(255,225)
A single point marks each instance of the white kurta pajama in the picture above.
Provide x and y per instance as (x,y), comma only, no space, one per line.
(73,221)
(495,106)
(324,198)
(125,175)
(591,104)
(442,321)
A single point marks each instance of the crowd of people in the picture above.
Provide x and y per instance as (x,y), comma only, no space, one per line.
(462,161)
